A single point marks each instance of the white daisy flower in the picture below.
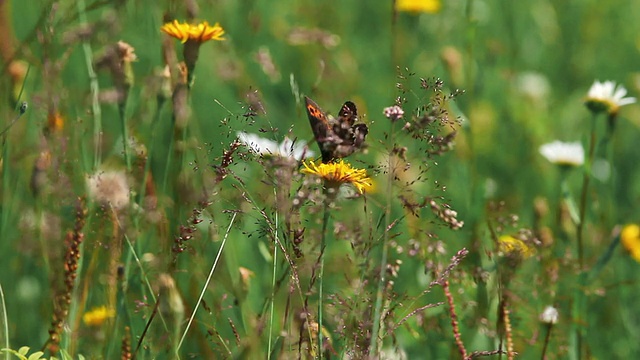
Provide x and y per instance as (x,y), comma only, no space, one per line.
(269,147)
(607,96)
(561,153)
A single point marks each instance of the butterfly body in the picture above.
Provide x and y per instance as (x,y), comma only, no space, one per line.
(337,137)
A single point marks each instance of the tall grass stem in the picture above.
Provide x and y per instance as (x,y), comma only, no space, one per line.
(206,284)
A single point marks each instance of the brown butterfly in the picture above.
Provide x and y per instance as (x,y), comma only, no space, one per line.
(337,137)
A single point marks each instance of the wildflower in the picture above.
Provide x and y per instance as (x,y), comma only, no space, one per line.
(564,154)
(288,147)
(338,173)
(55,122)
(97,316)
(417,6)
(192,36)
(533,85)
(511,246)
(195,32)
(109,187)
(17,71)
(171,305)
(607,96)
(630,238)
(393,113)
(549,315)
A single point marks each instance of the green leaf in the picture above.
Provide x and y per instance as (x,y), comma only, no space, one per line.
(36,355)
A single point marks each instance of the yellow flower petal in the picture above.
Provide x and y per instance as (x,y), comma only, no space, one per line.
(338,173)
(417,6)
(510,246)
(97,316)
(195,32)
(630,239)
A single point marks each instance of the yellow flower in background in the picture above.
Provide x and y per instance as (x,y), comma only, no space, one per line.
(511,246)
(55,122)
(97,316)
(196,32)
(338,173)
(417,6)
(630,238)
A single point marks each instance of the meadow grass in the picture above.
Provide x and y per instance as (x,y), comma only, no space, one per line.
(163,199)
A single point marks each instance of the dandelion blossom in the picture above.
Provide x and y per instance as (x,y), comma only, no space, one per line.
(630,238)
(418,6)
(338,173)
(195,32)
(607,96)
(562,153)
(97,316)
(511,246)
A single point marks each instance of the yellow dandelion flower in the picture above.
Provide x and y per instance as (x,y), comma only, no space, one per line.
(195,32)
(630,239)
(511,246)
(418,6)
(97,316)
(338,173)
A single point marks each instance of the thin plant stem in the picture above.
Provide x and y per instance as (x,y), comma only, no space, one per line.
(95,89)
(125,133)
(547,337)
(507,329)
(273,283)
(585,191)
(578,310)
(394,34)
(5,323)
(206,284)
(373,344)
(147,164)
(454,319)
(167,166)
(323,245)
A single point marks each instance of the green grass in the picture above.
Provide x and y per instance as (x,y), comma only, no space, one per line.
(386,251)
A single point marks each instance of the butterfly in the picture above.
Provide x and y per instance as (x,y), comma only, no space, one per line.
(337,137)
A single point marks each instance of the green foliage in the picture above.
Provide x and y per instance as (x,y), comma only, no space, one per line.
(23,354)
(193,244)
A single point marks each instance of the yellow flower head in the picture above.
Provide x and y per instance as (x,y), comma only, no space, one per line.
(511,246)
(338,173)
(55,122)
(630,238)
(418,6)
(195,32)
(97,316)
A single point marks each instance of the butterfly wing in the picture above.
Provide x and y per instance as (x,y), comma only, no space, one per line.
(348,115)
(321,128)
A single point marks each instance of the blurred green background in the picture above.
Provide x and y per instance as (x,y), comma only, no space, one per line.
(525,68)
